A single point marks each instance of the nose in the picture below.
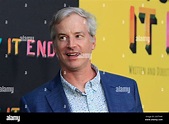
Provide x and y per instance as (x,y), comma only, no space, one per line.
(71,42)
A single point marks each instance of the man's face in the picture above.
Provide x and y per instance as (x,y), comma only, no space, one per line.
(74,44)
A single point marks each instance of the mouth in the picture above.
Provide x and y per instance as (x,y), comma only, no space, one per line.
(73,54)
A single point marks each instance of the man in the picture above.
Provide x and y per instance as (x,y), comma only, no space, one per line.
(80,86)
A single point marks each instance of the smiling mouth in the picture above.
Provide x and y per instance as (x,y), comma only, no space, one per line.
(73,54)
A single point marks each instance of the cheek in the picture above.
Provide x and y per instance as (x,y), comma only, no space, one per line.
(89,48)
(59,50)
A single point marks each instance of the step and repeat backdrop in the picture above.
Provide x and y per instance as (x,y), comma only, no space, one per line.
(26,65)
(132,40)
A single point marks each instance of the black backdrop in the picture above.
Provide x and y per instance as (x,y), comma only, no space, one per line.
(20,72)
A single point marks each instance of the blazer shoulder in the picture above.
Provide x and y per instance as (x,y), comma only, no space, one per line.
(44,88)
(116,78)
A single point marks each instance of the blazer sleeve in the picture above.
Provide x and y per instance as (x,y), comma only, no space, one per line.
(23,106)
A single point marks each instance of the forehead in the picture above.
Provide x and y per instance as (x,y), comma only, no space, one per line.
(72,23)
(72,20)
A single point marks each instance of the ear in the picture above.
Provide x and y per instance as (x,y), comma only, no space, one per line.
(93,42)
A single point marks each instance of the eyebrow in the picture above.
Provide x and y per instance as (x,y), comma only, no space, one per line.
(79,32)
(60,34)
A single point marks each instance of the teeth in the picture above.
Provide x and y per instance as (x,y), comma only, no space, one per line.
(72,54)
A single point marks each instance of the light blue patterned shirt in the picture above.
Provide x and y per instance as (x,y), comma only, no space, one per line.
(92,100)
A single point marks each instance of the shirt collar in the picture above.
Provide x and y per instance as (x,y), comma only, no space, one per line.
(93,83)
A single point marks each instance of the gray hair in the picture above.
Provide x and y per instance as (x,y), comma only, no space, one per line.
(65,12)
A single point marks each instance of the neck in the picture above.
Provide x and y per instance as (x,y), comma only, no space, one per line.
(79,78)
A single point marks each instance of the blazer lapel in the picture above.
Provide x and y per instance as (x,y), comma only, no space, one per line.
(57,98)
(110,92)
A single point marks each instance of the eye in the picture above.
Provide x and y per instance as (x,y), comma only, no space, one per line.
(62,38)
(79,36)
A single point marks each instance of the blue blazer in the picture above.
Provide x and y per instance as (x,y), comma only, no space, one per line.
(121,94)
